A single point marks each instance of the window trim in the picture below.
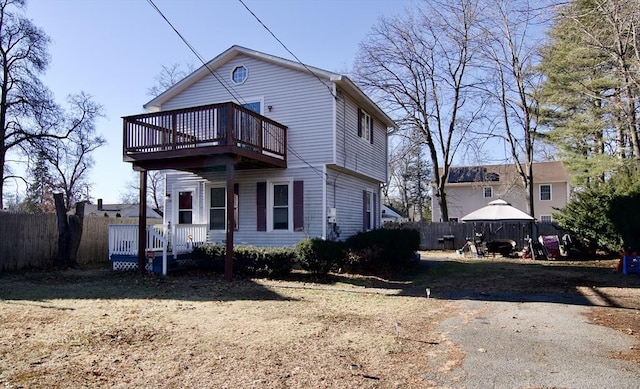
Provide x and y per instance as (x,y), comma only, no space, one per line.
(246,74)
(270,205)
(484,192)
(546,221)
(175,203)
(369,209)
(366,125)
(236,205)
(540,192)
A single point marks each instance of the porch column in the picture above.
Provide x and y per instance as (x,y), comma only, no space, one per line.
(142,223)
(231,222)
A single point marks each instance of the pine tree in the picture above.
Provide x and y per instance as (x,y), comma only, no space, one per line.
(39,197)
(583,95)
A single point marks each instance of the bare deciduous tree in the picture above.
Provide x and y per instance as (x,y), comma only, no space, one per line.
(418,67)
(409,178)
(513,83)
(155,186)
(169,76)
(27,110)
(70,158)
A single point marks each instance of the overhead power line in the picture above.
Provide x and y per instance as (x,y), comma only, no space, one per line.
(229,88)
(286,48)
(234,94)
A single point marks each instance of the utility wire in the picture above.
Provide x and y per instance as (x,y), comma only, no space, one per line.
(229,88)
(286,48)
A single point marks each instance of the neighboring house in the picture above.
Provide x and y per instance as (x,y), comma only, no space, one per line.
(472,187)
(392,215)
(118,210)
(279,150)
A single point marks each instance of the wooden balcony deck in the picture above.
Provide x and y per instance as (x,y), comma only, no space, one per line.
(204,138)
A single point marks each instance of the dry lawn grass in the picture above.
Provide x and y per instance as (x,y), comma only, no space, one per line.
(97,328)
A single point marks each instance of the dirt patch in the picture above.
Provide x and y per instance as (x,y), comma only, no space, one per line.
(624,320)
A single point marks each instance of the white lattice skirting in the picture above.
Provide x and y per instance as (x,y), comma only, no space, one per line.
(125,265)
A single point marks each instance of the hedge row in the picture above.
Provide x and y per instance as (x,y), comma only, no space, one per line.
(247,260)
(366,252)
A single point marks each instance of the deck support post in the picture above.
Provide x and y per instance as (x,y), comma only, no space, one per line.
(231,223)
(142,223)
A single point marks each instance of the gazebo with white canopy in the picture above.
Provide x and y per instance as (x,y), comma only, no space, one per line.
(498,211)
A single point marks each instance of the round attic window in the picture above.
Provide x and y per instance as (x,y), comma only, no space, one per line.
(239,74)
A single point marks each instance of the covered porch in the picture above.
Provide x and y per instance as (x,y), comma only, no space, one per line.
(217,137)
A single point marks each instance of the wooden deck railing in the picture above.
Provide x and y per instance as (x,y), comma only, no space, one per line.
(209,125)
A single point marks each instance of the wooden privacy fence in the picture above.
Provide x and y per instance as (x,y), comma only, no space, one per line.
(452,235)
(32,240)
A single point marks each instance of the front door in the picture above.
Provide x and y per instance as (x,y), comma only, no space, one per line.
(185,207)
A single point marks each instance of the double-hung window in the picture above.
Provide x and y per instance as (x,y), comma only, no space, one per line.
(280,206)
(545,192)
(365,126)
(368,211)
(218,208)
(546,218)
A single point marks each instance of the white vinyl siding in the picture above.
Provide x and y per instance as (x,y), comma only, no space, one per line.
(354,153)
(246,233)
(344,192)
(305,105)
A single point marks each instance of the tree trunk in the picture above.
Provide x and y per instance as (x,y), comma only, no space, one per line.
(75,234)
(69,233)
(2,162)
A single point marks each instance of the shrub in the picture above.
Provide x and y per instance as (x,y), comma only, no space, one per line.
(210,257)
(383,249)
(319,256)
(248,261)
(607,214)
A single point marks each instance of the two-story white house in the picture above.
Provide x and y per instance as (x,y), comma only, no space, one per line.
(472,187)
(275,149)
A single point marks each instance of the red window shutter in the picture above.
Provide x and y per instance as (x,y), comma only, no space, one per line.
(298,205)
(360,122)
(364,210)
(261,206)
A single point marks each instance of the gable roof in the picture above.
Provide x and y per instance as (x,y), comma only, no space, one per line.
(125,210)
(389,211)
(543,172)
(340,80)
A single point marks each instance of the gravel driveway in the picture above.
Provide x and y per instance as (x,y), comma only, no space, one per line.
(509,343)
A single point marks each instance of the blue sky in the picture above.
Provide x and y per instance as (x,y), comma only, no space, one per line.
(113,49)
